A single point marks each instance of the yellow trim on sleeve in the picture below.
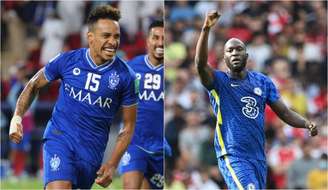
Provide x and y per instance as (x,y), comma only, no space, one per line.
(219,122)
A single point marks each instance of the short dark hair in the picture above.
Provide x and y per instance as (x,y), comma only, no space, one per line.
(156,23)
(103,12)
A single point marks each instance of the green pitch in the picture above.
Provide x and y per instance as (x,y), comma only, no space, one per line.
(34,183)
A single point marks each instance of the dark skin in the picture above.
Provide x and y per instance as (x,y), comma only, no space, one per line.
(235,57)
(103,41)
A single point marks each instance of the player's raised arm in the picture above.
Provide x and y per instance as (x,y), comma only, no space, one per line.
(23,103)
(204,71)
(292,118)
(107,170)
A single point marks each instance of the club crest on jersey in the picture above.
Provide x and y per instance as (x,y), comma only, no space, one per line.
(126,159)
(258,91)
(54,163)
(114,80)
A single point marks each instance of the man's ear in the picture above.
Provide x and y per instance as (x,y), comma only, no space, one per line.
(90,36)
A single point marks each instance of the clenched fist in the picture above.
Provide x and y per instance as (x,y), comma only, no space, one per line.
(313,131)
(211,18)
(16,129)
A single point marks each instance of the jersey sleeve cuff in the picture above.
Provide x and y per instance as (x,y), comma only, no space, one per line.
(47,76)
(129,105)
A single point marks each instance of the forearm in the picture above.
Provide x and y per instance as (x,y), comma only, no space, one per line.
(30,91)
(26,98)
(204,71)
(294,119)
(122,142)
(202,49)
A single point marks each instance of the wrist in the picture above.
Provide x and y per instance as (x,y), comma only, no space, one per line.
(111,164)
(16,119)
(308,124)
(206,28)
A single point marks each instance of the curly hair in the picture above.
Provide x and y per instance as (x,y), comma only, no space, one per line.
(103,12)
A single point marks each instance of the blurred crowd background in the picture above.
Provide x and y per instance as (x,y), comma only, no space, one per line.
(286,40)
(33,32)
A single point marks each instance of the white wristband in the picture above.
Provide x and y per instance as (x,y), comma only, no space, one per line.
(13,123)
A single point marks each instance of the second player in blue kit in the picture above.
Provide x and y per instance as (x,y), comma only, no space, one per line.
(238,98)
(142,164)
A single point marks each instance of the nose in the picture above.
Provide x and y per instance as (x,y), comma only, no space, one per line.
(161,41)
(111,41)
(234,52)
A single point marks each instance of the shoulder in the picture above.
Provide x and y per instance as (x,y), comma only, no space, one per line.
(259,76)
(69,55)
(125,68)
(219,74)
(134,61)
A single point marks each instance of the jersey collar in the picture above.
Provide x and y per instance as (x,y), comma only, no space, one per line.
(98,67)
(151,66)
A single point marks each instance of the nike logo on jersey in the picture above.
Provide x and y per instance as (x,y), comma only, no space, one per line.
(234,85)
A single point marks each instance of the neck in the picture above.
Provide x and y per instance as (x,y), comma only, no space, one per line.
(154,61)
(97,59)
(238,74)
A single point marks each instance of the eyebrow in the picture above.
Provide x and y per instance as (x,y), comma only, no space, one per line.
(236,46)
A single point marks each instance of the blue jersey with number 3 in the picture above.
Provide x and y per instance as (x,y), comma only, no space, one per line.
(148,133)
(239,107)
(89,98)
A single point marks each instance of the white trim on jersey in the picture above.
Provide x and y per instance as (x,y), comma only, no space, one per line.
(149,152)
(151,66)
(94,66)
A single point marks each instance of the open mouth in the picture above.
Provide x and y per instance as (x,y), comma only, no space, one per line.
(159,50)
(109,50)
(235,60)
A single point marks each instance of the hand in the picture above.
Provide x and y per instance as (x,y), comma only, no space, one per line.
(313,131)
(105,175)
(211,18)
(16,129)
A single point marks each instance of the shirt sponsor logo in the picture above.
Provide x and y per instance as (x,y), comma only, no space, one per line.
(150,95)
(250,110)
(86,97)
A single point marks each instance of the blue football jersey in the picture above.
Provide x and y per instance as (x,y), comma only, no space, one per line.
(148,133)
(89,98)
(239,106)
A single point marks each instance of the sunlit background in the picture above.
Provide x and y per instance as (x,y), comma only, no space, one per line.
(285,40)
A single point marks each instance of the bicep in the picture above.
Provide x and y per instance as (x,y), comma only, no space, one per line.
(279,107)
(39,80)
(206,75)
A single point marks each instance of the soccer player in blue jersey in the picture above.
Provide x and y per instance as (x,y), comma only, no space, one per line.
(95,84)
(142,164)
(238,98)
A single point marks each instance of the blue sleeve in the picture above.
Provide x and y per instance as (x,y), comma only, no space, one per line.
(53,69)
(217,80)
(272,92)
(130,91)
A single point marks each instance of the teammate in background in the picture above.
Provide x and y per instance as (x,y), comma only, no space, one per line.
(238,98)
(95,83)
(142,163)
